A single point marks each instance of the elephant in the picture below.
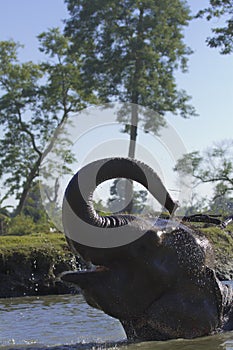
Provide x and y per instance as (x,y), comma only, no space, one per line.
(160,283)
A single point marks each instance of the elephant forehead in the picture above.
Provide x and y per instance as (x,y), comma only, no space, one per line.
(190,247)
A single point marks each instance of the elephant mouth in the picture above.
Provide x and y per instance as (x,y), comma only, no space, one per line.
(89,273)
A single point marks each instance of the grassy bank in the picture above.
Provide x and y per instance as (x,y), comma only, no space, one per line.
(222,242)
(54,242)
(30,264)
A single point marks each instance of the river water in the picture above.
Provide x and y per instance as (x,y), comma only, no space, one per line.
(66,322)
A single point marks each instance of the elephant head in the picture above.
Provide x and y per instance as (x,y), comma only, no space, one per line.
(157,276)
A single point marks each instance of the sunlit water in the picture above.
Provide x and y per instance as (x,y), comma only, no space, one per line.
(67,322)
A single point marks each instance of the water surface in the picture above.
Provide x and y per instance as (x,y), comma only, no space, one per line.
(68,323)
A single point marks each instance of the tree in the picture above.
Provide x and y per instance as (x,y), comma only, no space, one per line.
(4,220)
(19,92)
(64,89)
(32,108)
(214,166)
(130,51)
(221,205)
(116,202)
(195,205)
(33,206)
(223,36)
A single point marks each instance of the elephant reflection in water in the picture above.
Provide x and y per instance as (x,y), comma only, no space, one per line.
(161,284)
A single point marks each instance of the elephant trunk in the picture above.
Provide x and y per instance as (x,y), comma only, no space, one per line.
(80,190)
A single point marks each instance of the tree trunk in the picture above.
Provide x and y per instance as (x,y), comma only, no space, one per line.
(133,130)
(27,186)
(128,207)
(134,115)
(35,169)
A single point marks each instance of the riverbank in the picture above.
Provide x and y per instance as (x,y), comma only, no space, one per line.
(30,264)
(222,242)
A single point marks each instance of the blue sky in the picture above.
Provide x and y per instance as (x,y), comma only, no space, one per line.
(210,83)
(209,79)
(23,20)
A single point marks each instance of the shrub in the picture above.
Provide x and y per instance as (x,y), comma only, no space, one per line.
(4,222)
(21,225)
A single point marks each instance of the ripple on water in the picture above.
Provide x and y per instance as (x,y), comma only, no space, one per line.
(68,323)
(54,320)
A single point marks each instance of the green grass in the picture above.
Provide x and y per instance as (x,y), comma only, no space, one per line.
(222,241)
(33,261)
(55,243)
(52,243)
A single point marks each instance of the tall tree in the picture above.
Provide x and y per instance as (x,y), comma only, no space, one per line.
(131,50)
(32,108)
(222,35)
(117,198)
(214,166)
(19,153)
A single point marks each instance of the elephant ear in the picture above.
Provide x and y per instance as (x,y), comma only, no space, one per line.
(196,259)
(189,248)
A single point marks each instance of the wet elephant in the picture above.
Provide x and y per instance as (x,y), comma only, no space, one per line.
(160,283)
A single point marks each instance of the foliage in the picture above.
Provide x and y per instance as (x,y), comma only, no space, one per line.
(4,222)
(32,219)
(21,225)
(19,93)
(52,243)
(195,205)
(63,91)
(221,205)
(222,242)
(24,225)
(223,36)
(35,100)
(131,49)
(117,199)
(101,208)
(214,166)
(33,206)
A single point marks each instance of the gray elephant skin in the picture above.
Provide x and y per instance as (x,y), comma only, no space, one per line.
(160,286)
